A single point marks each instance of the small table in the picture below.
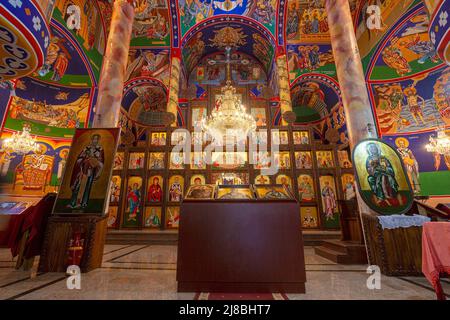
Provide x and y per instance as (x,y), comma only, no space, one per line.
(436,254)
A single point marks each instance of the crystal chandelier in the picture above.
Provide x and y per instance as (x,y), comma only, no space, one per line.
(20,143)
(440,144)
(229,119)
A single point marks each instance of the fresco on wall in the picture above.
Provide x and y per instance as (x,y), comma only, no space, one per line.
(310,58)
(89,32)
(63,64)
(151,24)
(416,104)
(36,172)
(407,50)
(50,110)
(390,12)
(428,173)
(153,63)
(195,11)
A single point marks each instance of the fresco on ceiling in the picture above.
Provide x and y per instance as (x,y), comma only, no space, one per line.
(407,51)
(235,35)
(308,58)
(390,11)
(153,63)
(89,32)
(63,64)
(429,173)
(193,12)
(52,111)
(151,23)
(244,70)
(415,104)
(313,97)
(35,173)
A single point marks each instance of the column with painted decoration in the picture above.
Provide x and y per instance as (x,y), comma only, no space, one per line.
(288,116)
(107,110)
(174,87)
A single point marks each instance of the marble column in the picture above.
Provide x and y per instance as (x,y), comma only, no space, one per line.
(358,113)
(285,90)
(174,88)
(107,110)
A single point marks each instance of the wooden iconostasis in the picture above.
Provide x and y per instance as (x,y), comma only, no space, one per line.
(149,181)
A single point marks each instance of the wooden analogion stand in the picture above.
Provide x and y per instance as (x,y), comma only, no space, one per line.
(240,246)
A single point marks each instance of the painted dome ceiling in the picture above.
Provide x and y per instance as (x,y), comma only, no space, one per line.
(397,56)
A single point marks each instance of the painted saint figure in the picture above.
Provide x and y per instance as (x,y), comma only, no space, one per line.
(329,200)
(175,191)
(305,189)
(155,191)
(410,162)
(87,170)
(134,200)
(381,177)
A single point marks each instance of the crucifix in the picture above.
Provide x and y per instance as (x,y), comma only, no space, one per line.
(228,62)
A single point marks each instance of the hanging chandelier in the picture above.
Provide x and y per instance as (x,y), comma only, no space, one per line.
(20,143)
(440,144)
(229,120)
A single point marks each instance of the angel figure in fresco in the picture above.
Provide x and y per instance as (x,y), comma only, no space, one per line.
(60,66)
(87,170)
(134,200)
(155,191)
(329,199)
(381,176)
(410,162)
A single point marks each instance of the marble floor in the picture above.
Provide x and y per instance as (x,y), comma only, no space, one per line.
(149,272)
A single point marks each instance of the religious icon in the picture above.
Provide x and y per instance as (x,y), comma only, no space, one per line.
(259,137)
(198,179)
(201,192)
(197,161)
(176,161)
(198,115)
(63,154)
(285,181)
(259,114)
(344,161)
(273,193)
(156,161)
(152,217)
(410,163)
(329,200)
(261,179)
(13,207)
(235,193)
(230,178)
(282,160)
(303,160)
(133,202)
(136,161)
(198,138)
(114,193)
(275,137)
(176,187)
(112,217)
(229,160)
(155,191)
(261,160)
(118,161)
(172,217)
(301,137)
(348,185)
(158,139)
(86,182)
(284,137)
(381,177)
(309,217)
(178,138)
(306,188)
(325,159)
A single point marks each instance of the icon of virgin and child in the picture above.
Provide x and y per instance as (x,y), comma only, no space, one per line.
(87,170)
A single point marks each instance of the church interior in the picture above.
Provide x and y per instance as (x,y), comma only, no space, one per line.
(225,149)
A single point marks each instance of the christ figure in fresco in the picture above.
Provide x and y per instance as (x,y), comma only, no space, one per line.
(87,170)
(155,191)
(381,177)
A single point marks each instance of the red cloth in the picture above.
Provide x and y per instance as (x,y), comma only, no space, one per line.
(436,253)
